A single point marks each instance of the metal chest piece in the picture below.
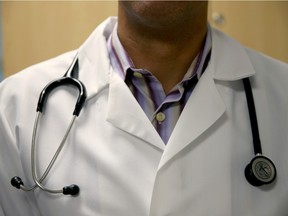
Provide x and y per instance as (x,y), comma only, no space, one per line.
(260,171)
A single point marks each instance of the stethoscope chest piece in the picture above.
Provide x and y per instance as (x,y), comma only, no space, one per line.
(260,171)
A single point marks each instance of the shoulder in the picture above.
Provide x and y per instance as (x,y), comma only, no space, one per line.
(267,65)
(39,73)
(24,87)
(42,71)
(233,60)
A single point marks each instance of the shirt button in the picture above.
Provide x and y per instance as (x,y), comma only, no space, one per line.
(160,117)
(137,75)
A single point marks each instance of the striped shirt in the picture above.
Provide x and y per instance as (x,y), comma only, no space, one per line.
(162,110)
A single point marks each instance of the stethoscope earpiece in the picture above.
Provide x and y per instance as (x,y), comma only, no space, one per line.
(17,182)
(260,171)
(72,190)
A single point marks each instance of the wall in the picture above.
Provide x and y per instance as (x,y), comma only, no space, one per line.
(37,30)
(262,25)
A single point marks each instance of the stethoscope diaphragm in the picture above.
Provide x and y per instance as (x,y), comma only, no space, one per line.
(261,170)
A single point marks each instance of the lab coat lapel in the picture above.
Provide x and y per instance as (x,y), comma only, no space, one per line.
(205,106)
(94,60)
(229,62)
(125,113)
(96,73)
(203,109)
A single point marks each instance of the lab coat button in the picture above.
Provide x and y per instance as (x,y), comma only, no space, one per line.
(160,117)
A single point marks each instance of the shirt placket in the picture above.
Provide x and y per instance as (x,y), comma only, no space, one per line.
(162,110)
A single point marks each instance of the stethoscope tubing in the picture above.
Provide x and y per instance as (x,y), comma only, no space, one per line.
(38,181)
(252,116)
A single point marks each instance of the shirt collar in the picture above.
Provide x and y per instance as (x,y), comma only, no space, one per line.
(121,61)
(119,58)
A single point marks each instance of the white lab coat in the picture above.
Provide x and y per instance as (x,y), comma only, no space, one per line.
(117,158)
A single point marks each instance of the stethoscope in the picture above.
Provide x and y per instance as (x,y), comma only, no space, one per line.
(260,171)
(69,78)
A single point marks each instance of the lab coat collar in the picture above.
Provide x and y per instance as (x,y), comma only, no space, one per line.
(229,60)
(125,113)
(203,109)
(94,60)
(97,74)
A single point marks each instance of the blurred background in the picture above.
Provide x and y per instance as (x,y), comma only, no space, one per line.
(33,31)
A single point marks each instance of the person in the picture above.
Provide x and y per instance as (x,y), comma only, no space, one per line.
(164,130)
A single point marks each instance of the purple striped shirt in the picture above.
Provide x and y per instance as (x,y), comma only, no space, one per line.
(162,110)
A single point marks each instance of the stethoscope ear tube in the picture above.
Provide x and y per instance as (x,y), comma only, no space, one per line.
(61,82)
(17,181)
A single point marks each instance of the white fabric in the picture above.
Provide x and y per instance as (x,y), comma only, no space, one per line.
(117,158)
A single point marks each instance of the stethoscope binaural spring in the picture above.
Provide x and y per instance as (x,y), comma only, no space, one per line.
(259,171)
(70,78)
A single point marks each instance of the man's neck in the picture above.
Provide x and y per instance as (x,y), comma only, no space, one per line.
(168,52)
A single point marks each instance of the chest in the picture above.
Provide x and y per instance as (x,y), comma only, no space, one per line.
(122,167)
